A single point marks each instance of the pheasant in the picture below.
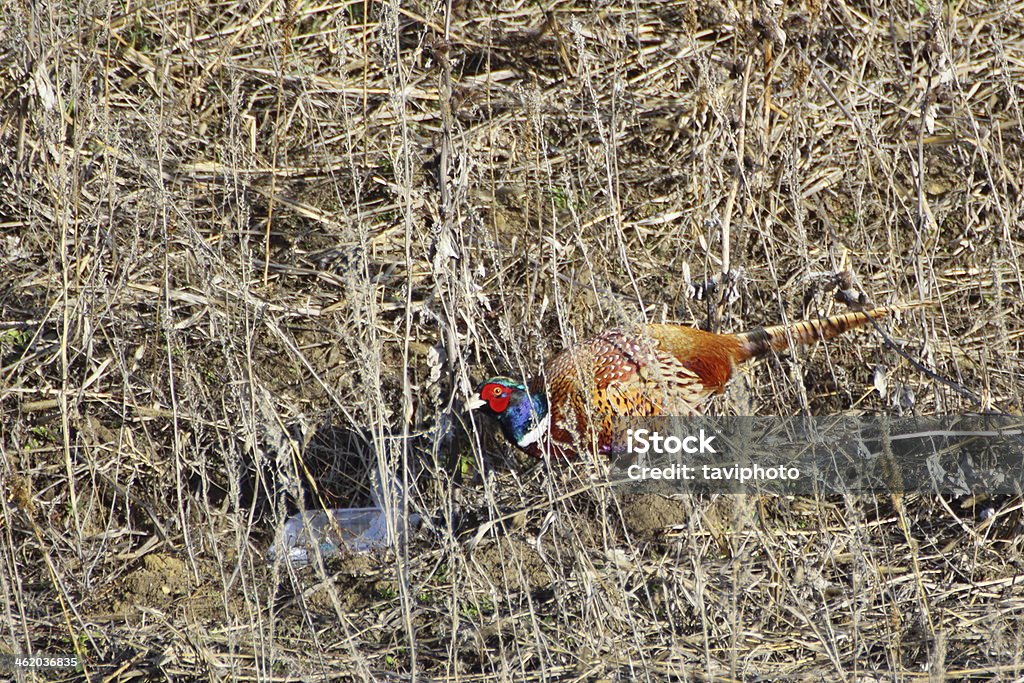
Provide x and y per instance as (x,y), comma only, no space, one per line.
(640,371)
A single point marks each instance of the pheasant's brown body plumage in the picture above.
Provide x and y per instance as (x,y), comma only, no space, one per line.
(650,370)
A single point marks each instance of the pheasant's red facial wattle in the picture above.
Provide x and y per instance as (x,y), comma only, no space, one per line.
(497,396)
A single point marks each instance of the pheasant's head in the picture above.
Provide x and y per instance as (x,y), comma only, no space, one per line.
(521,414)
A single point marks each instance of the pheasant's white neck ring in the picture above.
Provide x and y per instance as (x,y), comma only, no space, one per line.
(535,434)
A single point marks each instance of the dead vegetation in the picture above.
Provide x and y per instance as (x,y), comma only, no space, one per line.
(251,252)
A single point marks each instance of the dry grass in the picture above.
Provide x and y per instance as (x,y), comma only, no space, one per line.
(251,251)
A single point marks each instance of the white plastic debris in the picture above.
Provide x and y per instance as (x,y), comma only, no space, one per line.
(348,530)
(333,532)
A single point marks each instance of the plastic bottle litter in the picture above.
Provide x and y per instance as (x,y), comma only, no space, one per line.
(339,530)
(344,530)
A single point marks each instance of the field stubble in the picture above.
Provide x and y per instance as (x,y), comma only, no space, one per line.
(251,253)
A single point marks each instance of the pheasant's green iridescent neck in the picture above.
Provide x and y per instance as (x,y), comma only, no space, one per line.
(521,414)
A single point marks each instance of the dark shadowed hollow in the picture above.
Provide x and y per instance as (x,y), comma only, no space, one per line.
(253,253)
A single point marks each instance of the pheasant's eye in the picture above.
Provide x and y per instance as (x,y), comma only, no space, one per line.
(497,391)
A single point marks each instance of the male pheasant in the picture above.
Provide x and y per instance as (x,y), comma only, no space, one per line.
(640,371)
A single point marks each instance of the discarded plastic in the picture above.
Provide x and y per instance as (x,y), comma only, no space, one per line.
(352,530)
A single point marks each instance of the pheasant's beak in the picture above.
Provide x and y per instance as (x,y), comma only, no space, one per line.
(473,403)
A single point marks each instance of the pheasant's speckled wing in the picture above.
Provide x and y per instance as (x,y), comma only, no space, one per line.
(620,373)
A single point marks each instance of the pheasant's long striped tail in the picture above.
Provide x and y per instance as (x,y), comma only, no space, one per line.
(761,340)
